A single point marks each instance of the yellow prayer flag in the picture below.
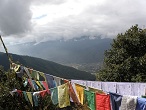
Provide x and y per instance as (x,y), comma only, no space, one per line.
(38,83)
(63,95)
(80,93)
(29,95)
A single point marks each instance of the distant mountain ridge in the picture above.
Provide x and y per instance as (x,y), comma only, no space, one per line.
(46,67)
(77,51)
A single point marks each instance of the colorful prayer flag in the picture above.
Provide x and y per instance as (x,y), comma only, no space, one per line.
(80,93)
(103,102)
(25,95)
(54,95)
(46,86)
(63,95)
(90,99)
(72,94)
(38,83)
(29,95)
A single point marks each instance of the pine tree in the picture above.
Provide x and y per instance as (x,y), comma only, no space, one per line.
(126,60)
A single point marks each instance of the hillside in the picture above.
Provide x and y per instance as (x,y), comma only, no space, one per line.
(46,67)
(81,53)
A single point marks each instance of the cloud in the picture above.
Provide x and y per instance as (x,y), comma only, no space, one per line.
(15,17)
(105,19)
(67,19)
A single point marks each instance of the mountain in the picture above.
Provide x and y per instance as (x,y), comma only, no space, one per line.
(46,67)
(75,51)
(82,53)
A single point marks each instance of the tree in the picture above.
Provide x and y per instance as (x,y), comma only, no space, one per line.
(126,60)
(9,82)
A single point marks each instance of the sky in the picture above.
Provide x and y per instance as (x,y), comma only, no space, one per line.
(23,21)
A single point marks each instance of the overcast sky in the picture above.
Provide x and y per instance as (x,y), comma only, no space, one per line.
(42,20)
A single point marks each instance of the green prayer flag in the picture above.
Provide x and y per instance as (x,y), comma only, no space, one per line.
(35,75)
(25,95)
(89,99)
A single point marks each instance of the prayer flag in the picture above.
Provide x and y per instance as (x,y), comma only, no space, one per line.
(50,81)
(35,99)
(63,95)
(54,95)
(90,99)
(38,83)
(80,93)
(25,95)
(46,86)
(72,94)
(102,102)
(43,76)
(29,95)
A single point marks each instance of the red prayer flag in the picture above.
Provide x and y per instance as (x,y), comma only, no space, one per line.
(19,92)
(46,86)
(43,93)
(103,102)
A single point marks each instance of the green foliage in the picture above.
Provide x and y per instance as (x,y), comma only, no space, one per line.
(126,60)
(8,83)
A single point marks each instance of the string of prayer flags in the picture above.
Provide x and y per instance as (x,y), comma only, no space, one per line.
(80,93)
(63,95)
(89,99)
(102,102)
(29,95)
(54,95)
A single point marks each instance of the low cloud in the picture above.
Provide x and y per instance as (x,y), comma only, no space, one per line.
(68,19)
